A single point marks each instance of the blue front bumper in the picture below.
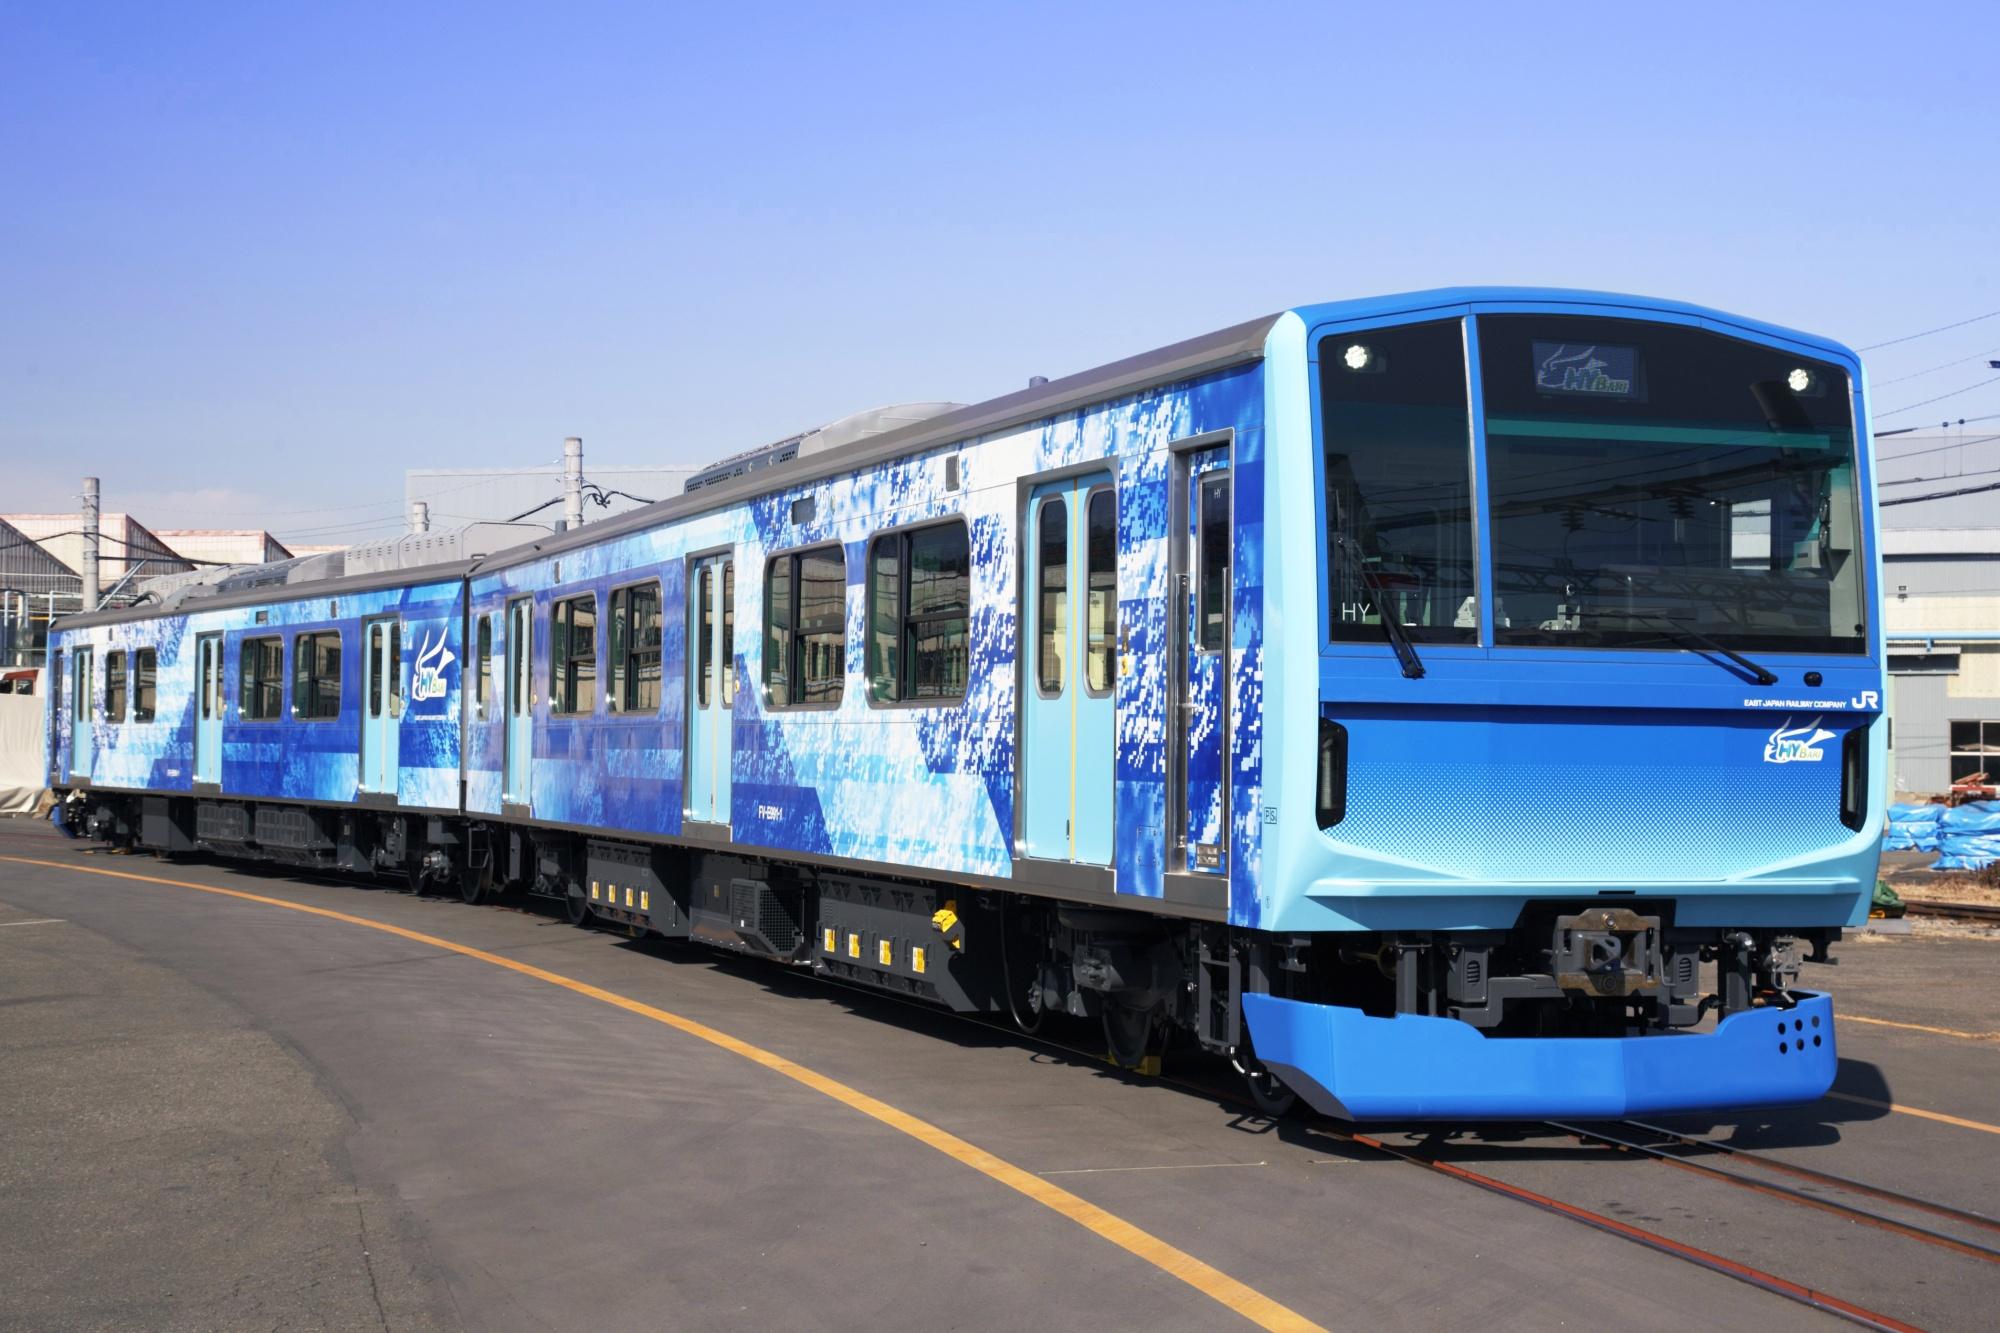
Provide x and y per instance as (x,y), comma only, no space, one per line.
(1410,1067)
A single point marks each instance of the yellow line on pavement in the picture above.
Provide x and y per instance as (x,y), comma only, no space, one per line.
(1919,1027)
(1938,1116)
(1246,1301)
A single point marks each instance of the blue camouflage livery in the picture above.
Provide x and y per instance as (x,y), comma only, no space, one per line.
(285,756)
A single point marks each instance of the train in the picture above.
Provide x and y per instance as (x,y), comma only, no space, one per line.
(1457,705)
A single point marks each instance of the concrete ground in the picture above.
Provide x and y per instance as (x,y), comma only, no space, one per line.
(218,1113)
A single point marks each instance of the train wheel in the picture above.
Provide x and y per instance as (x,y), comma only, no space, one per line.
(414,878)
(1268,1092)
(578,909)
(472,885)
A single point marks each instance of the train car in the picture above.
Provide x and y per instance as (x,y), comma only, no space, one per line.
(1459,705)
(315,723)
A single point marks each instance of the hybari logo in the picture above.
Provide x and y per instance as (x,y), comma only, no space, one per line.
(1797,745)
(432,659)
(1579,371)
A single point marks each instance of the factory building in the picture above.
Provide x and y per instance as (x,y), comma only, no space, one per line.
(1941,608)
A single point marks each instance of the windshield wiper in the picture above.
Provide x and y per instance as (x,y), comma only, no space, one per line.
(1675,630)
(1392,619)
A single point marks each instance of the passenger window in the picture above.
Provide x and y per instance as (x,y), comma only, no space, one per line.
(573,655)
(145,683)
(1212,608)
(261,679)
(316,676)
(1052,579)
(1100,624)
(805,627)
(919,598)
(374,665)
(778,631)
(482,686)
(635,649)
(114,687)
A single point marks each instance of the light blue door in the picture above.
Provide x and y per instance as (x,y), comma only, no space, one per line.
(1069,705)
(520,730)
(1207,619)
(208,709)
(83,714)
(382,703)
(711,676)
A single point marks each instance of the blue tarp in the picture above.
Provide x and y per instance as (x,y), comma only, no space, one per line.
(1912,828)
(1968,837)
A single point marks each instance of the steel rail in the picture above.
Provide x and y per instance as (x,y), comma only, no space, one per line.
(1824,1177)
(1847,1210)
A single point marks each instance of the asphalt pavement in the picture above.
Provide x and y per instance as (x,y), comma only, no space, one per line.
(218,1113)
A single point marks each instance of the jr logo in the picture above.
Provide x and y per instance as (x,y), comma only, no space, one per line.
(432,658)
(1797,745)
(1866,699)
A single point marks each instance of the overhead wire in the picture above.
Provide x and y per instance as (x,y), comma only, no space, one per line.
(1925,402)
(1928,370)
(1942,328)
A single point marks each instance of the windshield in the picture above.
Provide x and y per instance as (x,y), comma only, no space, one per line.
(1398,443)
(1654,478)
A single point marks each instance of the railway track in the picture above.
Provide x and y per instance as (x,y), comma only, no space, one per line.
(1431,1159)
(1664,1149)
(1963,911)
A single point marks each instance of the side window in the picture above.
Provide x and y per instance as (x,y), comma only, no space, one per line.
(482,680)
(316,675)
(114,687)
(805,627)
(635,649)
(704,635)
(261,679)
(377,637)
(1212,539)
(573,655)
(778,613)
(919,597)
(1100,623)
(1052,584)
(145,683)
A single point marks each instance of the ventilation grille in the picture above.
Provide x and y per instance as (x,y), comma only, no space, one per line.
(759,910)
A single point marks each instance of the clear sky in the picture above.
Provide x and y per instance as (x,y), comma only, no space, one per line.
(257,259)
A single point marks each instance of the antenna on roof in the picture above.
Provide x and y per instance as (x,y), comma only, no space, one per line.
(1037,381)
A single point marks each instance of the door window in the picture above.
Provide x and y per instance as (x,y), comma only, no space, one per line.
(1052,587)
(1100,516)
(1212,608)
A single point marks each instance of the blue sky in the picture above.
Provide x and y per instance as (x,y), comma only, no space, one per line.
(255,260)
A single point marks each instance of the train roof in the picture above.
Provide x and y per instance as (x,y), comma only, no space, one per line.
(1239,344)
(1404,303)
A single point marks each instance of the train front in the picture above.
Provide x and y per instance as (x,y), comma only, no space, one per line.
(1590,753)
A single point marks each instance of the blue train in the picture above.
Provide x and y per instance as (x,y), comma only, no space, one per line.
(1465,704)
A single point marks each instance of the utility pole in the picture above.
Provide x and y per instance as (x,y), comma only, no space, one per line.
(420,517)
(90,580)
(572,484)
